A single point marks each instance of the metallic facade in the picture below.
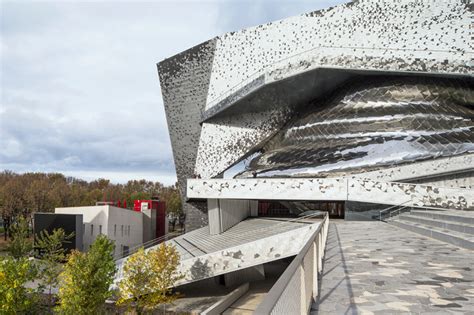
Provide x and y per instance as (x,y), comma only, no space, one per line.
(367,86)
(373,124)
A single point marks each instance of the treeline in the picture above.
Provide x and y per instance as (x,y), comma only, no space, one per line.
(58,282)
(25,194)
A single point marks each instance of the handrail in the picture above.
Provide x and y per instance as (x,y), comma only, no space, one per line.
(148,244)
(410,207)
(391,207)
(272,298)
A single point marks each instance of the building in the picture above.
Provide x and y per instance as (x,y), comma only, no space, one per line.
(70,223)
(123,226)
(155,223)
(356,111)
(353,98)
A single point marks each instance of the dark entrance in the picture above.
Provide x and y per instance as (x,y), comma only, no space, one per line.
(271,208)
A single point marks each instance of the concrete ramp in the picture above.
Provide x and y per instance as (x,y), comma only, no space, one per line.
(252,242)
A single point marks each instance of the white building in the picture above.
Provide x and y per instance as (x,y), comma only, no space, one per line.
(123,226)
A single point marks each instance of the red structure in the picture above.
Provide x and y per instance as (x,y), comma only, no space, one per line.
(157,212)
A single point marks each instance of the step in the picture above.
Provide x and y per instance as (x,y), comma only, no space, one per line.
(445,225)
(188,247)
(461,216)
(183,253)
(455,238)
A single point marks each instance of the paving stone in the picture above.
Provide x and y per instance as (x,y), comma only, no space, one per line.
(377,268)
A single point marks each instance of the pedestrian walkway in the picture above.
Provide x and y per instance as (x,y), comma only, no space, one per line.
(376,268)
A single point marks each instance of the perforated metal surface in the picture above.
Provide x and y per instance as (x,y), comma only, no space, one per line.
(372,124)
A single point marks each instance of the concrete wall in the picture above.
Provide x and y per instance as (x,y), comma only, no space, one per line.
(94,218)
(460,180)
(149,224)
(114,222)
(132,222)
(224,214)
(389,193)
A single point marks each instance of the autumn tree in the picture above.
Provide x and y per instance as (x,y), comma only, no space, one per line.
(173,200)
(37,197)
(15,296)
(53,254)
(20,245)
(15,271)
(12,196)
(25,194)
(148,278)
(85,281)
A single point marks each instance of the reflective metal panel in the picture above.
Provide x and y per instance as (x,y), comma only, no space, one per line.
(367,125)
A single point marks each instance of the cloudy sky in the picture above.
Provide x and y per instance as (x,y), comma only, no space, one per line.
(79,90)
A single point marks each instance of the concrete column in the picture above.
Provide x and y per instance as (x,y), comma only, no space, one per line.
(315,271)
(213,214)
(253,208)
(147,221)
(320,253)
(302,296)
(225,213)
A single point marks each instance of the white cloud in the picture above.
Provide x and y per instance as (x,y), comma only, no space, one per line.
(79,89)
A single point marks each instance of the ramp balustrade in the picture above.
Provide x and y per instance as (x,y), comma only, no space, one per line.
(296,288)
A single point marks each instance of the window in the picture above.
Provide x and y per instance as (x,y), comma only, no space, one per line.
(129,230)
(115,229)
(92,229)
(100,229)
(122,230)
(84,228)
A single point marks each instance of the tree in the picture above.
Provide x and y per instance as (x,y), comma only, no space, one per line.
(85,281)
(135,286)
(148,278)
(20,245)
(37,196)
(53,254)
(15,297)
(13,201)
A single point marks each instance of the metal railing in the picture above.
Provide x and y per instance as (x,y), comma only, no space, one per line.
(148,244)
(296,288)
(392,212)
(388,212)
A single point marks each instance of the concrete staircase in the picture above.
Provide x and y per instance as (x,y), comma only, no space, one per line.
(455,227)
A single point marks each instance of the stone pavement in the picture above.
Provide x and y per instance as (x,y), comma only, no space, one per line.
(376,268)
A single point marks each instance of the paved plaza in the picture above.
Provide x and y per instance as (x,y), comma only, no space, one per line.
(377,268)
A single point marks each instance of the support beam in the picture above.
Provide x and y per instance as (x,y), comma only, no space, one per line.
(332,189)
